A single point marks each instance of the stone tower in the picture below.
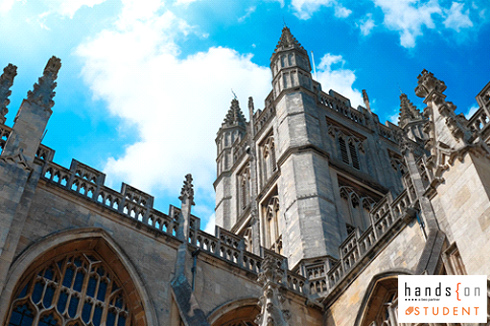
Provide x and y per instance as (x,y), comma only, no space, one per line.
(317,176)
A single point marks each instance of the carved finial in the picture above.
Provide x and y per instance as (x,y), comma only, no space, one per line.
(187,191)
(272,299)
(251,104)
(428,85)
(43,92)
(6,81)
(365,98)
(449,134)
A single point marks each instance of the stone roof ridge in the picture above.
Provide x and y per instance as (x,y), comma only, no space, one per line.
(288,41)
(235,116)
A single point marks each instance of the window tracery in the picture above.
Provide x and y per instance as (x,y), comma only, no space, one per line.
(268,159)
(348,144)
(74,290)
(355,208)
(273,236)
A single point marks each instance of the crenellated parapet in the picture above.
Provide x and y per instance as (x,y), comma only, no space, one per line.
(6,81)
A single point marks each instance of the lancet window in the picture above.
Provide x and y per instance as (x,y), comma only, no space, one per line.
(349,151)
(355,208)
(247,237)
(244,186)
(273,237)
(348,144)
(268,159)
(74,290)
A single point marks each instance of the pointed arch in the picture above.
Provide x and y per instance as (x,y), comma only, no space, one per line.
(383,286)
(240,312)
(71,243)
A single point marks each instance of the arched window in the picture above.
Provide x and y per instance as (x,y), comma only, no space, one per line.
(239,316)
(355,209)
(76,289)
(381,306)
(273,237)
(349,149)
(268,159)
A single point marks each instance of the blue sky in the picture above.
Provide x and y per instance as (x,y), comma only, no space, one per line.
(145,84)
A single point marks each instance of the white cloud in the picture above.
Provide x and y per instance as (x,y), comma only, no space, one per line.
(304,9)
(366,25)
(408,17)
(472,110)
(176,104)
(185,2)
(6,6)
(394,117)
(210,225)
(70,7)
(342,12)
(339,79)
(248,13)
(456,19)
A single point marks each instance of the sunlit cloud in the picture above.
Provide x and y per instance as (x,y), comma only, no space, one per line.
(332,75)
(366,25)
(304,9)
(175,104)
(456,18)
(408,17)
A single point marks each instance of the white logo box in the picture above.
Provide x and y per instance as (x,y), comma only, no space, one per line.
(442,298)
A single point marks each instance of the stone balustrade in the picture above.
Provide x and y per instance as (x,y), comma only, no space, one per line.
(479,120)
(87,182)
(323,280)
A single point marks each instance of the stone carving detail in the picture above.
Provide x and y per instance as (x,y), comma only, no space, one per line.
(449,135)
(187,191)
(16,159)
(235,115)
(271,302)
(6,81)
(408,111)
(43,92)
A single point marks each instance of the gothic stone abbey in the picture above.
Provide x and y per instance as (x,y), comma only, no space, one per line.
(319,208)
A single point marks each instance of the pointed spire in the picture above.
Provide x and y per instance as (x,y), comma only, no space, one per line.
(365,98)
(235,116)
(408,111)
(6,81)
(288,41)
(43,92)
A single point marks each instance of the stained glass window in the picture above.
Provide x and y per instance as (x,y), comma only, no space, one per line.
(77,289)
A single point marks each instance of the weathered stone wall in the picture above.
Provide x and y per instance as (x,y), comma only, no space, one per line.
(151,253)
(462,207)
(401,254)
